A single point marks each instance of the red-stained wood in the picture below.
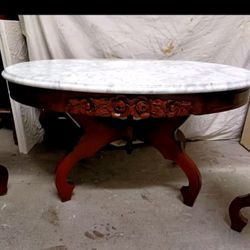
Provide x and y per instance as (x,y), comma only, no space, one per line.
(161,135)
(96,136)
(238,221)
(100,132)
(122,106)
(160,116)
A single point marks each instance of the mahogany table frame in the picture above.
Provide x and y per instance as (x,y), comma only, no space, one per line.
(151,118)
(238,221)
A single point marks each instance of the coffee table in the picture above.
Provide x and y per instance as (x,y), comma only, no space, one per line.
(128,99)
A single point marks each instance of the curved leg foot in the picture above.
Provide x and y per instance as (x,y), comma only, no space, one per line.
(190,192)
(4,176)
(161,136)
(96,136)
(238,221)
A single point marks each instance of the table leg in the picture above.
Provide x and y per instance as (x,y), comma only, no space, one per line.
(180,137)
(3,180)
(95,137)
(238,221)
(160,134)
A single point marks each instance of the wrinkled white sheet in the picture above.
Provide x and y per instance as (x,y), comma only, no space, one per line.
(217,39)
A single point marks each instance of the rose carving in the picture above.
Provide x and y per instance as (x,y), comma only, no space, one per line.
(173,108)
(88,106)
(119,106)
(122,106)
(158,108)
(142,108)
(79,106)
(177,108)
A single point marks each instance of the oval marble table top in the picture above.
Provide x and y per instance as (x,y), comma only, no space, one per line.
(128,76)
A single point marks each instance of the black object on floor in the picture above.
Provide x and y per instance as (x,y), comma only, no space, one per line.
(4,176)
(60,131)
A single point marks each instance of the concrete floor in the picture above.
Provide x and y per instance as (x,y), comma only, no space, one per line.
(123,201)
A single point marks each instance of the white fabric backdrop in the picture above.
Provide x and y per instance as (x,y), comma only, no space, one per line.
(217,39)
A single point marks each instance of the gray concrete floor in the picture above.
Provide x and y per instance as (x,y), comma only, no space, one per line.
(123,201)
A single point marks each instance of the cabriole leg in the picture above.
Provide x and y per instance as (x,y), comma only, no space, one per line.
(96,136)
(238,221)
(160,134)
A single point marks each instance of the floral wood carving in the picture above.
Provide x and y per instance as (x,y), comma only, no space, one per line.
(140,107)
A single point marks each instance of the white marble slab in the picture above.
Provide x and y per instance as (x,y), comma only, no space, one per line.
(128,76)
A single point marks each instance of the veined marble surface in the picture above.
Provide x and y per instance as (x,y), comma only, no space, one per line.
(128,76)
